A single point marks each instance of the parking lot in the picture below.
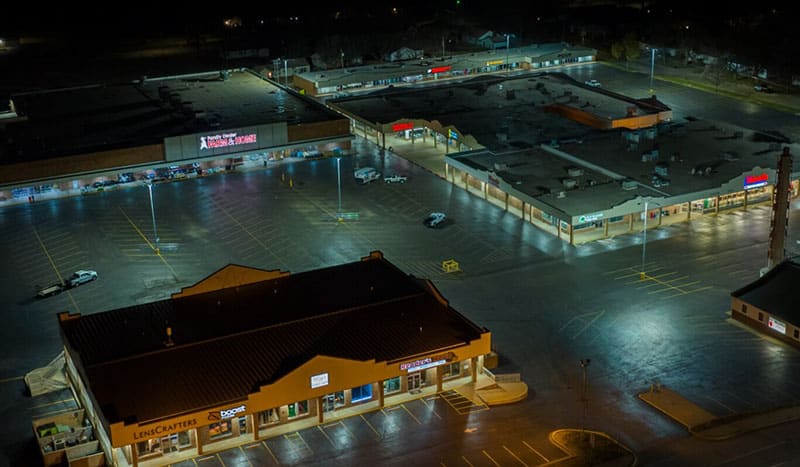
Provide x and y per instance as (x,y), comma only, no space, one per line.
(548,305)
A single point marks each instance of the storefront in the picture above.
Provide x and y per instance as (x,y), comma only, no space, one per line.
(162,414)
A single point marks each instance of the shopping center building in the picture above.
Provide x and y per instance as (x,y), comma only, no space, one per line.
(581,163)
(339,82)
(246,351)
(71,141)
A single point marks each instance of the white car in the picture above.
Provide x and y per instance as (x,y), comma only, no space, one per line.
(81,277)
(395,178)
(434,219)
(593,83)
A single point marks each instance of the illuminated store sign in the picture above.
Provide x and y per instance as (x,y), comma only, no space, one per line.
(320,380)
(755,181)
(226,140)
(776,325)
(440,69)
(590,217)
(428,362)
(159,430)
(495,62)
(227,413)
(402,126)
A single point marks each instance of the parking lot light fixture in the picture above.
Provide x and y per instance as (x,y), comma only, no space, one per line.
(153,215)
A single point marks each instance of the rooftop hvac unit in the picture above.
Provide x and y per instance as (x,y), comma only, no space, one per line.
(575,171)
(562,194)
(569,183)
(629,184)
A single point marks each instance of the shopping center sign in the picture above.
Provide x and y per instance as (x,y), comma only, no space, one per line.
(428,362)
(226,140)
(755,181)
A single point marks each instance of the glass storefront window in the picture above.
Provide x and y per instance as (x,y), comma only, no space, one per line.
(362,393)
(298,409)
(451,370)
(219,430)
(391,385)
(269,417)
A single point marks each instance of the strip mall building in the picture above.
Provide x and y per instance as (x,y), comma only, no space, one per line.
(247,350)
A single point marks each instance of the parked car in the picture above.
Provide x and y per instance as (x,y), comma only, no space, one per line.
(434,219)
(762,88)
(81,277)
(593,83)
(395,178)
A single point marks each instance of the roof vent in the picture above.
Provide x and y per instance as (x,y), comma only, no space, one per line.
(629,184)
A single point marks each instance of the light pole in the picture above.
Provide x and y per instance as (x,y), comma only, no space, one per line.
(652,66)
(508,65)
(642,274)
(342,54)
(584,364)
(339,185)
(153,214)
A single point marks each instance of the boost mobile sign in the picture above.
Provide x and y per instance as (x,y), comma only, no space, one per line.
(227,413)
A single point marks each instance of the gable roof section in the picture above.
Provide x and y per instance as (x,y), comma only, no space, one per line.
(774,292)
(229,342)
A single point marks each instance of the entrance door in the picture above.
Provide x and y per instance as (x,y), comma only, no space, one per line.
(328,403)
(414,381)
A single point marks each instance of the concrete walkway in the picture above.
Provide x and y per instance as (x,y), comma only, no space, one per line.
(703,424)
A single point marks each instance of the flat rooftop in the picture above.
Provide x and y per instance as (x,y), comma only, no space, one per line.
(113,116)
(716,153)
(500,113)
(367,73)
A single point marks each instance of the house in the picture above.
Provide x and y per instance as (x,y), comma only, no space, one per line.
(403,53)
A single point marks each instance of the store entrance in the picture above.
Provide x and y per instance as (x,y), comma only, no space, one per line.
(414,381)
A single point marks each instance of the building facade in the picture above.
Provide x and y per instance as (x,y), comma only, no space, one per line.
(246,352)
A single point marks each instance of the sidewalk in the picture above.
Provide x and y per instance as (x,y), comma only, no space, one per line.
(704,425)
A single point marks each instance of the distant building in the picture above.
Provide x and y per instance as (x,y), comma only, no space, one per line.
(769,304)
(403,53)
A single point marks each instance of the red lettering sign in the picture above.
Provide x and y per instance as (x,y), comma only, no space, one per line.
(226,140)
(756,178)
(440,69)
(402,126)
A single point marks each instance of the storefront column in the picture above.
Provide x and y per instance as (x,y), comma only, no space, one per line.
(439,379)
(320,417)
(571,235)
(630,222)
(198,441)
(558,228)
(745,199)
(473,368)
(435,140)
(689,211)
(254,426)
(523,210)
(383,140)
(378,137)
(716,205)
(380,394)
(365,133)
(485,190)
(466,181)
(134,455)
(506,203)
(659,217)
(605,228)
(412,137)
